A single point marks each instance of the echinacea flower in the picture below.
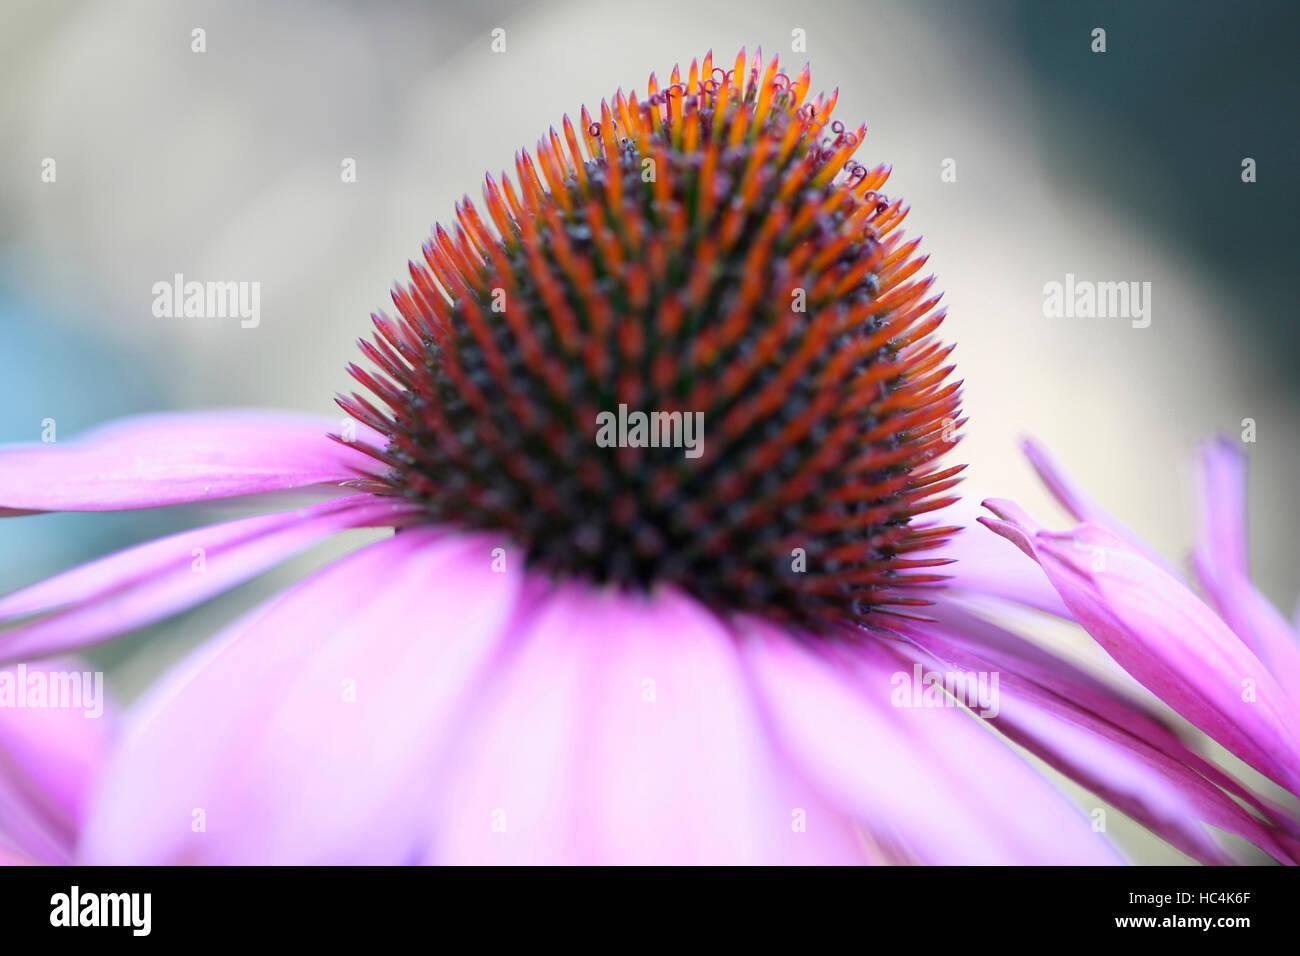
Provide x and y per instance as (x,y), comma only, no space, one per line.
(569,652)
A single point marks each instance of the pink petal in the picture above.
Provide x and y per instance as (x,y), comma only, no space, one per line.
(49,758)
(256,735)
(1099,738)
(932,779)
(621,730)
(1162,634)
(1112,694)
(135,587)
(1221,565)
(12,857)
(177,457)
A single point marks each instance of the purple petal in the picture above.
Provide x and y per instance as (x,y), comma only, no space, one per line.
(152,581)
(12,857)
(176,457)
(930,778)
(49,758)
(621,729)
(308,732)
(1098,737)
(1222,568)
(1112,694)
(1165,636)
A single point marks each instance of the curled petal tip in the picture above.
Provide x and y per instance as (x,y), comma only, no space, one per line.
(1010,511)
(1012,532)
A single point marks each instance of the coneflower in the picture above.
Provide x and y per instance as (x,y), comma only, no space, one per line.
(684,641)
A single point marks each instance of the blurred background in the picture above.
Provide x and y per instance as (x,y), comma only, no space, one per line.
(226,164)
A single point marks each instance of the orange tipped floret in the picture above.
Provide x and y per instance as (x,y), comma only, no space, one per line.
(708,249)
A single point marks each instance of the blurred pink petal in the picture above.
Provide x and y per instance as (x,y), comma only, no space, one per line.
(257,737)
(940,782)
(9,857)
(177,457)
(1222,566)
(621,729)
(49,759)
(144,584)
(1114,747)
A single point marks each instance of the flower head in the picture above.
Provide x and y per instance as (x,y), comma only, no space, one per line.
(711,254)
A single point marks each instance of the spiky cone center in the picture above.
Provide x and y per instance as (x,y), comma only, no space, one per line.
(712,251)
